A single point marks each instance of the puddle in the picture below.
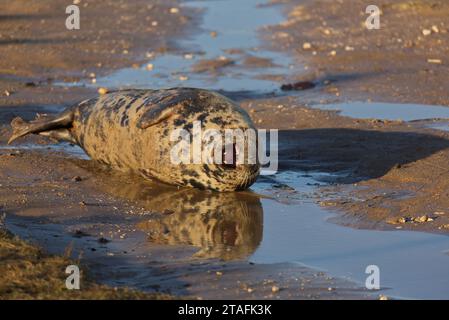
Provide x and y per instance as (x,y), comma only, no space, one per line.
(70,149)
(289,228)
(388,111)
(235,30)
(268,231)
(184,224)
(444,126)
(412,264)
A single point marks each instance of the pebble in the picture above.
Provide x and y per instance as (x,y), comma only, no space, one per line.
(213,34)
(426,32)
(435,29)
(174,10)
(103,240)
(77,178)
(282,35)
(102,91)
(282,186)
(403,219)
(188,56)
(154,23)
(219,273)
(333,53)
(149,67)
(183,78)
(435,61)
(275,289)
(307,46)
(300,85)
(422,219)
(382,297)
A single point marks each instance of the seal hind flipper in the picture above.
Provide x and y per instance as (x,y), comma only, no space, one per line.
(62,134)
(22,128)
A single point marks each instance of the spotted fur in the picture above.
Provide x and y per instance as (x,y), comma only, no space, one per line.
(119,129)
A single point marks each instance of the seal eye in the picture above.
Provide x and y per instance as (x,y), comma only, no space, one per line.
(229,156)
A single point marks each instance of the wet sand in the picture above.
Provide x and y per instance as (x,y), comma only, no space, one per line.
(393,64)
(44,188)
(123,241)
(396,63)
(387,171)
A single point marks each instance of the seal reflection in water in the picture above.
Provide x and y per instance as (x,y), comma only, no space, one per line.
(130,130)
(223,225)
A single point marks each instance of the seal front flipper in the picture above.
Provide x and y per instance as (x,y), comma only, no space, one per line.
(55,127)
(154,116)
(168,106)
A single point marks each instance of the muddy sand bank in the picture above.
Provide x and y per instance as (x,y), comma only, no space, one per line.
(39,188)
(405,61)
(382,174)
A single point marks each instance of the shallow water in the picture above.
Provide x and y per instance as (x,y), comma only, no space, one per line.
(68,148)
(286,227)
(439,125)
(279,222)
(412,264)
(236,30)
(387,111)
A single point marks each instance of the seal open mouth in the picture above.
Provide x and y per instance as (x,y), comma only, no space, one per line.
(229,156)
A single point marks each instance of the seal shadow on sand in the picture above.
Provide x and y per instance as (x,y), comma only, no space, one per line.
(355,155)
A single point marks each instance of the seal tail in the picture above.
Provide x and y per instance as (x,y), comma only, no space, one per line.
(41,125)
(19,129)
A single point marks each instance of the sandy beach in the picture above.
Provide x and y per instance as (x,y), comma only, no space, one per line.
(373,173)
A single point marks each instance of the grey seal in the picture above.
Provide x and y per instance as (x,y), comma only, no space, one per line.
(129,130)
